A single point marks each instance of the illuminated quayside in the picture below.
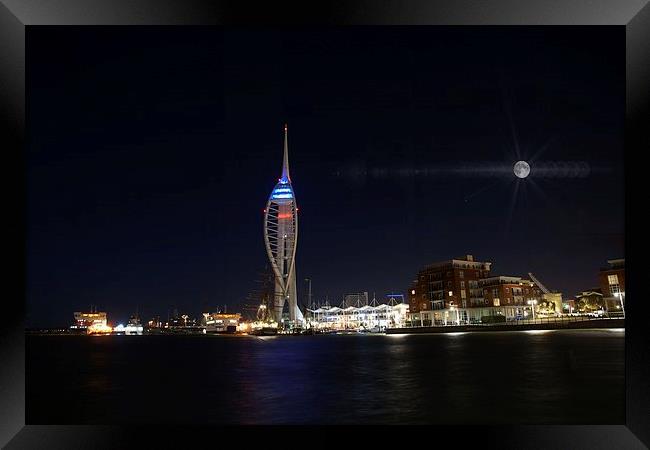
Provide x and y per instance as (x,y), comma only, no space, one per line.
(369,317)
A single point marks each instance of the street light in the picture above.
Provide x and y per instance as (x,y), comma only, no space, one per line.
(532,303)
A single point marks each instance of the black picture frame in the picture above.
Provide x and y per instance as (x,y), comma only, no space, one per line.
(16,15)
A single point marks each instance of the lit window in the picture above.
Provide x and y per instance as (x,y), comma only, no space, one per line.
(613,279)
(497,302)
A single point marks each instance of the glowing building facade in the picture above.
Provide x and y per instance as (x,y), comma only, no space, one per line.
(91,323)
(373,318)
(280,238)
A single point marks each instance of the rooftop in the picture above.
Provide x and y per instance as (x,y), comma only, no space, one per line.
(501,280)
(614,264)
(466,261)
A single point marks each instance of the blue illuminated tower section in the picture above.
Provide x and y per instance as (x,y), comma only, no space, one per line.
(280,238)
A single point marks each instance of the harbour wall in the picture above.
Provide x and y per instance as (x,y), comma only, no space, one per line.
(559,325)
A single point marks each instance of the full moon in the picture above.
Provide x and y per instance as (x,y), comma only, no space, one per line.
(521,169)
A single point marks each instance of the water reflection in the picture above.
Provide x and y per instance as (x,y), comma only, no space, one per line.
(509,377)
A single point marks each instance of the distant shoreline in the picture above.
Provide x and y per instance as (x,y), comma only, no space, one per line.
(583,325)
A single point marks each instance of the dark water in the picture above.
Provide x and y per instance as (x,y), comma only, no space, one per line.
(479,378)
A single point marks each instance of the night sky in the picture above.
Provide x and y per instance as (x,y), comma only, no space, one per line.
(152,151)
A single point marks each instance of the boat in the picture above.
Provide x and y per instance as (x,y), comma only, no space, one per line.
(133,326)
(92,322)
(264,325)
(221,323)
(261,306)
(259,328)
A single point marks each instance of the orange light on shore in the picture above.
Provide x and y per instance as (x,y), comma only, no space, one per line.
(99,328)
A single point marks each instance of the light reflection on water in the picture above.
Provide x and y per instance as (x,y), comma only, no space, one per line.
(509,377)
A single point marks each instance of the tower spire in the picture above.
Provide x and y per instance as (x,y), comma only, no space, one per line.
(285,162)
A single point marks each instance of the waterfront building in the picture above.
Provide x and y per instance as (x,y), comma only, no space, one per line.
(551,304)
(514,296)
(280,238)
(455,281)
(505,297)
(590,301)
(612,285)
(569,305)
(374,318)
(461,291)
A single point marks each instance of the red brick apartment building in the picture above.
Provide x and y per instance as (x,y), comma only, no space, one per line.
(462,290)
(509,291)
(452,282)
(612,278)
(612,284)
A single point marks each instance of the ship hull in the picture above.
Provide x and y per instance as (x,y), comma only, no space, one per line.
(265,332)
(230,329)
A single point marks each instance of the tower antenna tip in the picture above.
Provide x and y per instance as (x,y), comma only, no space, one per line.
(285,127)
